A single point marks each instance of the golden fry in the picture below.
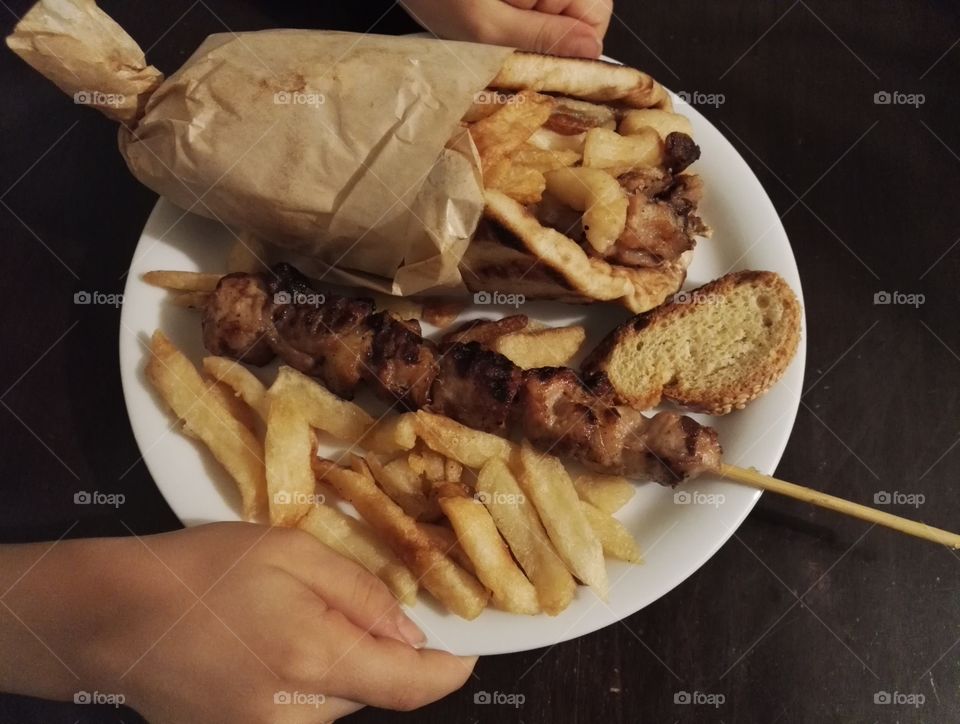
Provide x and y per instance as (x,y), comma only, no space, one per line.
(544,479)
(289,451)
(232,443)
(598,195)
(322,409)
(183,281)
(609,493)
(355,540)
(480,540)
(617,155)
(471,448)
(241,380)
(518,523)
(552,347)
(502,132)
(449,583)
(614,538)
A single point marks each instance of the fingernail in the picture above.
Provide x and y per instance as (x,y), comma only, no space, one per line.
(586,46)
(410,632)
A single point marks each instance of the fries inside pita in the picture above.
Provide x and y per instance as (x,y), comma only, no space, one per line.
(406,165)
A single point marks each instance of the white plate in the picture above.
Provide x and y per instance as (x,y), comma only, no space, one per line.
(676,538)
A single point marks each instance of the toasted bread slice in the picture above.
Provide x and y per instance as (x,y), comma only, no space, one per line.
(713,350)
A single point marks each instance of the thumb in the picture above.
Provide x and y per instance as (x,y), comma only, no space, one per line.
(546,32)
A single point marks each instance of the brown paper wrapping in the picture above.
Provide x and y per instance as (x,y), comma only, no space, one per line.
(342,149)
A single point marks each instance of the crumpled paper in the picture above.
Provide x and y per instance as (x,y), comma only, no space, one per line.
(343,150)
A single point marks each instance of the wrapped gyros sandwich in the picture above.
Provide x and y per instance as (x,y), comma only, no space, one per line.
(403,164)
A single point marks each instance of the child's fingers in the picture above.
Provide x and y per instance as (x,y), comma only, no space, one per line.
(595,13)
(543,32)
(385,673)
(362,597)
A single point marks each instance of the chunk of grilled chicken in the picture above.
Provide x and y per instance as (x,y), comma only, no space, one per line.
(573,418)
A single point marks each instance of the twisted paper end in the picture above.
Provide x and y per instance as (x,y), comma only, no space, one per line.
(78,47)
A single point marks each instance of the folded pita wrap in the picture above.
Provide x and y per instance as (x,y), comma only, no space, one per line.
(344,151)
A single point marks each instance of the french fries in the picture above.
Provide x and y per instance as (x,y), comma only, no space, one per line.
(446,540)
(355,540)
(552,347)
(544,479)
(480,540)
(322,409)
(241,380)
(404,486)
(544,160)
(289,450)
(598,195)
(609,493)
(232,443)
(617,154)
(449,583)
(183,281)
(522,183)
(663,122)
(517,521)
(392,434)
(614,538)
(471,448)
(505,130)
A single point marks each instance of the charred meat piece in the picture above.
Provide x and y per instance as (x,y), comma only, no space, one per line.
(403,364)
(476,386)
(654,233)
(485,331)
(237,321)
(679,151)
(322,335)
(325,338)
(560,414)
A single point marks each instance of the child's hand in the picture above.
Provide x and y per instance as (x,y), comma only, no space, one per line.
(560,27)
(285,631)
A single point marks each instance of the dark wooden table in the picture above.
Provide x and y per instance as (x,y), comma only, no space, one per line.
(803,616)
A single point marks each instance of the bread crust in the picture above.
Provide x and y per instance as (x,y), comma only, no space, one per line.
(750,384)
(587,79)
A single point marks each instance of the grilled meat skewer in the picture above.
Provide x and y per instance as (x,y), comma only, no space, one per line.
(345,342)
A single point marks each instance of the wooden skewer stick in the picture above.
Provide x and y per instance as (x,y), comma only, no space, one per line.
(808,495)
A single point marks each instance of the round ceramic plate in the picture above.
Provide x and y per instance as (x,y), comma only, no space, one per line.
(677,531)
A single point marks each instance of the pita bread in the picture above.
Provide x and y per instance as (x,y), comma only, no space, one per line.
(514,253)
(589,80)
